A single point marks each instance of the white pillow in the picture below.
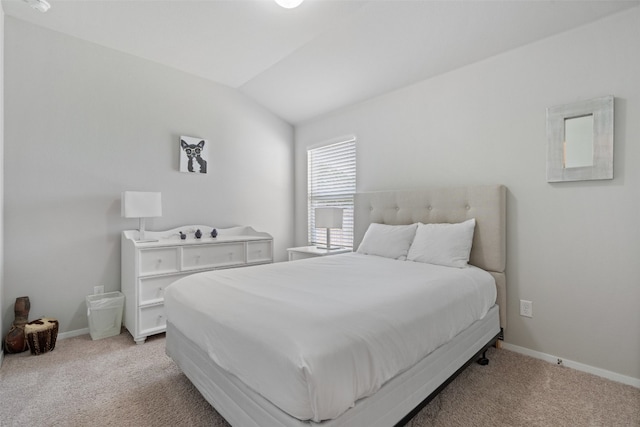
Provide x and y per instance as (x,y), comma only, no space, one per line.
(443,244)
(390,241)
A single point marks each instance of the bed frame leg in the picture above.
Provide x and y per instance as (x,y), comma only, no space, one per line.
(497,342)
(483,359)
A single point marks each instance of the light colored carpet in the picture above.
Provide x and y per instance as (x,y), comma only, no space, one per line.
(114,382)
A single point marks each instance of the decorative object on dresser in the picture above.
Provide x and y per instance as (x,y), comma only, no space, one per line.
(149,267)
(328,218)
(15,341)
(303,252)
(142,205)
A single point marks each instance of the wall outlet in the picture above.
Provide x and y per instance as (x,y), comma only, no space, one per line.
(98,290)
(526,308)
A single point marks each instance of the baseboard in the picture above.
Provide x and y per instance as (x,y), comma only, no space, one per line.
(71,334)
(1,357)
(624,379)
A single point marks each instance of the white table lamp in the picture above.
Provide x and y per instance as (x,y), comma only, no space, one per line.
(329,218)
(142,205)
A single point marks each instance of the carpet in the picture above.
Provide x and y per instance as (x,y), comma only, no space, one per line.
(114,382)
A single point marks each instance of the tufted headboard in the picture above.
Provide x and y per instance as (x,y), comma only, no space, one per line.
(487,204)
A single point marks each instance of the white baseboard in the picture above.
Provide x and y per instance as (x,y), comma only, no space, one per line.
(71,334)
(624,379)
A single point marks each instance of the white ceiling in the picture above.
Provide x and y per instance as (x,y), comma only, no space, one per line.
(324,55)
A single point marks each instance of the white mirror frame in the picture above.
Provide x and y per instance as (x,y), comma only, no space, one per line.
(602,167)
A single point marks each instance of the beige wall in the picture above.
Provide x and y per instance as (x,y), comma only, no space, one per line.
(83,124)
(573,248)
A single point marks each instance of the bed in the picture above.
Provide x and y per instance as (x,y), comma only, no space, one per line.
(341,340)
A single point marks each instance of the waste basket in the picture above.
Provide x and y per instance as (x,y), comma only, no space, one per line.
(105,314)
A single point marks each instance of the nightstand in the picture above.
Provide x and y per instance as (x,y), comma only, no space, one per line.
(311,252)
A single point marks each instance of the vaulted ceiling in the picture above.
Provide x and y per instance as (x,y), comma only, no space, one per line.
(322,56)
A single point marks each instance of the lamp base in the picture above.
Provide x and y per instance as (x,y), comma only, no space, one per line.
(332,248)
(142,238)
(147,240)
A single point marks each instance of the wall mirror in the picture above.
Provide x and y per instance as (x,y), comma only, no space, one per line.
(580,140)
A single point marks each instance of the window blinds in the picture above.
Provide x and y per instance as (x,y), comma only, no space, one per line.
(332,183)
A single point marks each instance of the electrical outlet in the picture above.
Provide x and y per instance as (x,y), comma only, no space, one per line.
(526,308)
(98,290)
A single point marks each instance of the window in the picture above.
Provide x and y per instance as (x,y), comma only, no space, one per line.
(332,183)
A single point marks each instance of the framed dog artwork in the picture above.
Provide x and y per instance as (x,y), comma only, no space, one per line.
(194,153)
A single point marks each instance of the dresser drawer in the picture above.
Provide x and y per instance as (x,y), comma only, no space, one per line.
(210,256)
(151,318)
(158,261)
(151,289)
(259,251)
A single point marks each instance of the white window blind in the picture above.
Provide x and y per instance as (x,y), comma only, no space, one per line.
(332,183)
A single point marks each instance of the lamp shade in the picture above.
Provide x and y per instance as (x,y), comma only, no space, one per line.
(329,217)
(141,204)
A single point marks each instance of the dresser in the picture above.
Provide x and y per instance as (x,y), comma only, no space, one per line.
(149,267)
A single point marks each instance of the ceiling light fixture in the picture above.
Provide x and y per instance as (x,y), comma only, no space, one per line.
(40,5)
(289,4)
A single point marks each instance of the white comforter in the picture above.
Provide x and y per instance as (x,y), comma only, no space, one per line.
(315,335)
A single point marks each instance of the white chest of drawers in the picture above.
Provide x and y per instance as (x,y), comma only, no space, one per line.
(149,267)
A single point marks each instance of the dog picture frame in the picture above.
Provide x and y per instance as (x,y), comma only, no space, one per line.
(194,154)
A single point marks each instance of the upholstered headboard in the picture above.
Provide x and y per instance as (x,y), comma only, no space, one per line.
(487,204)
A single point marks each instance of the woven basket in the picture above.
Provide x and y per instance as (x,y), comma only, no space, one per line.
(41,335)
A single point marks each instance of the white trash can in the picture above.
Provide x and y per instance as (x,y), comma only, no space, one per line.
(105,314)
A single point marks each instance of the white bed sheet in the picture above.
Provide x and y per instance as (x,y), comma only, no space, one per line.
(314,336)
